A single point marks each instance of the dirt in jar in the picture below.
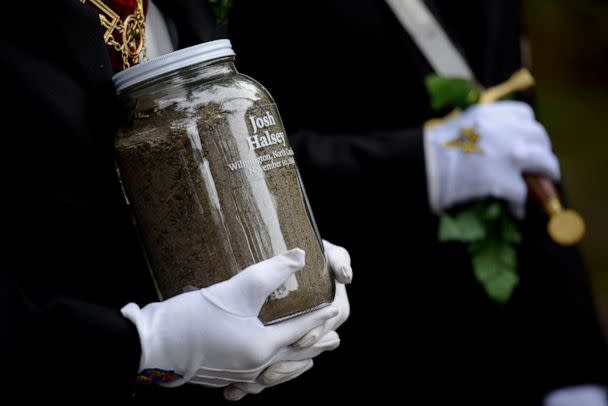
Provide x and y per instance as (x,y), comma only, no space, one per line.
(214,187)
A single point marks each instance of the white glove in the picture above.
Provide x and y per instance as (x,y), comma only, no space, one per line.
(290,364)
(510,142)
(583,395)
(339,264)
(216,330)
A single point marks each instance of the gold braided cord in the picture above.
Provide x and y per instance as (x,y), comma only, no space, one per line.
(131,32)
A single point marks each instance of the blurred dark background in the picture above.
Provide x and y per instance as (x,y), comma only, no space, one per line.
(569,57)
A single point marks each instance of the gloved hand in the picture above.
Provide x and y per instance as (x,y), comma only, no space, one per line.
(297,359)
(582,395)
(216,329)
(510,142)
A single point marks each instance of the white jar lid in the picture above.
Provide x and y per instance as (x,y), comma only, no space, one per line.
(171,62)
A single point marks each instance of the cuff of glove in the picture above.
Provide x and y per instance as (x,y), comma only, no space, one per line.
(588,395)
(432,175)
(152,370)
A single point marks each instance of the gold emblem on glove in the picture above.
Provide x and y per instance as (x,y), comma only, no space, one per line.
(466,141)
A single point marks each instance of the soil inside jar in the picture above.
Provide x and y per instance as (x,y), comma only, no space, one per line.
(214,188)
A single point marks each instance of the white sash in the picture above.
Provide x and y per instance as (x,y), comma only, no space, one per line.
(431,39)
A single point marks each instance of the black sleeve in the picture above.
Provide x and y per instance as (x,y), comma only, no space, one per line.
(66,269)
(344,168)
(193,21)
(64,347)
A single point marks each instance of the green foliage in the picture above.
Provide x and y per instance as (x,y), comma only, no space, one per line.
(451,92)
(486,227)
(221,9)
(465,226)
(490,234)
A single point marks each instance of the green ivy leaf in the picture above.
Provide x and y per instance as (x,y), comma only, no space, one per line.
(509,230)
(451,92)
(485,226)
(221,9)
(465,226)
(492,210)
(490,234)
(495,264)
(501,287)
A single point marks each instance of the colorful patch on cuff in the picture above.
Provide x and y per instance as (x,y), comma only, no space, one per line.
(156,376)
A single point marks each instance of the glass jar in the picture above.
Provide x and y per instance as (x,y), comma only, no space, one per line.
(211,179)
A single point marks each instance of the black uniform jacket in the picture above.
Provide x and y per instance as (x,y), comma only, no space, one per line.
(349,83)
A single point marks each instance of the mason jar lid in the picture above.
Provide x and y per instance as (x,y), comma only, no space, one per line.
(171,62)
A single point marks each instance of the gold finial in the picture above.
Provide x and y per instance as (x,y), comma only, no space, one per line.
(566,227)
(520,80)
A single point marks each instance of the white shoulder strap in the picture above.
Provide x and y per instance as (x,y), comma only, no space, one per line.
(431,39)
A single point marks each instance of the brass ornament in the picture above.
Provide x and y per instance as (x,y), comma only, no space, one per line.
(519,81)
(566,227)
(126,36)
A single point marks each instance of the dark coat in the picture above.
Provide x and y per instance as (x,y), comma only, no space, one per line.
(349,83)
